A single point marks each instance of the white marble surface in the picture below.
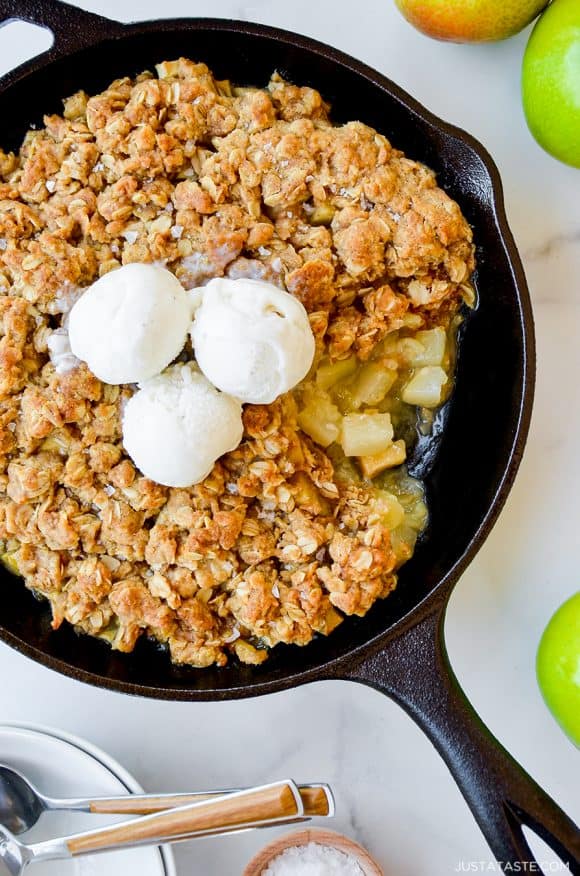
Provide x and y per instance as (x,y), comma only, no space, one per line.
(393,792)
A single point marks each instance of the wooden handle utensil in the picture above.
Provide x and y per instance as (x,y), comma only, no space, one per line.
(317,801)
(278,802)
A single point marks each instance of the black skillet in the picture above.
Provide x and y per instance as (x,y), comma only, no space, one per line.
(399,647)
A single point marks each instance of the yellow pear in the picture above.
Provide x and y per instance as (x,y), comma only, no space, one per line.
(470,21)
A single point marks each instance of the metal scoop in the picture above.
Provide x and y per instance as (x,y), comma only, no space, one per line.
(22,804)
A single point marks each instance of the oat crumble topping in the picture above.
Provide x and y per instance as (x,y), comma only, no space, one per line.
(210,180)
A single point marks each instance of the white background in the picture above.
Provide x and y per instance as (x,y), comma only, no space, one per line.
(393,792)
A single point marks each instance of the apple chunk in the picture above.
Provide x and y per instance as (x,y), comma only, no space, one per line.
(393,455)
(425,387)
(366,434)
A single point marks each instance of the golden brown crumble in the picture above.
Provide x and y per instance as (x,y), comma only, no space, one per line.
(214,181)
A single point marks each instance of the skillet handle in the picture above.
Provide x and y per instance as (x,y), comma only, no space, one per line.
(414,670)
(73,28)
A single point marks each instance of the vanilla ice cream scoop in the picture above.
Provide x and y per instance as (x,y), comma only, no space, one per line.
(251,339)
(130,324)
(177,424)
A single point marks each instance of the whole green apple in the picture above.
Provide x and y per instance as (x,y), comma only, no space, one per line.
(470,21)
(558,666)
(551,81)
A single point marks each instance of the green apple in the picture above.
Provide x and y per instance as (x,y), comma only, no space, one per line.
(551,81)
(470,21)
(558,666)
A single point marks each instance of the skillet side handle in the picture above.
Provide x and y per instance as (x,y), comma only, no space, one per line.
(73,28)
(414,670)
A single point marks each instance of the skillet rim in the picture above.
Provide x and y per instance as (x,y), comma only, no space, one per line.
(335,667)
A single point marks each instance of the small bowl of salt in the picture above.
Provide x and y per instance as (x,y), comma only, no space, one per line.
(313,853)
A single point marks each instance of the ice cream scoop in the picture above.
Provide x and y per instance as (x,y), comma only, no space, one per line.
(130,324)
(251,339)
(177,424)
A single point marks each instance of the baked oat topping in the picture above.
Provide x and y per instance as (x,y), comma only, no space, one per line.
(280,541)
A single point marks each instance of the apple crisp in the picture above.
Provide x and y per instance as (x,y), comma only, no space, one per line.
(309,518)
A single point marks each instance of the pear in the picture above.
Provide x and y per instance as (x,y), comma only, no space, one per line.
(470,21)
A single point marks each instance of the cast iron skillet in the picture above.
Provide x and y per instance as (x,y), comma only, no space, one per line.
(398,648)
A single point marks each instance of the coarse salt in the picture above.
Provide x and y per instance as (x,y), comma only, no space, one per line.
(313,859)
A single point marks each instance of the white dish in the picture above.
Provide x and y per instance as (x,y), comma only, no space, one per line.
(62,765)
